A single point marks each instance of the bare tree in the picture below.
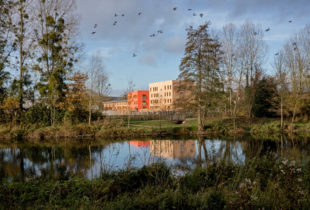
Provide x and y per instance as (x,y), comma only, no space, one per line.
(297,62)
(6,46)
(229,47)
(21,28)
(130,87)
(252,50)
(98,83)
(281,77)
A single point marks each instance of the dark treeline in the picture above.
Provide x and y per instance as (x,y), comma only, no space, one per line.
(40,81)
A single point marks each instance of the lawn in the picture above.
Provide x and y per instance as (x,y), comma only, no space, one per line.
(192,122)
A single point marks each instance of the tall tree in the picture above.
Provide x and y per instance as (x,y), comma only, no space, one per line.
(98,83)
(5,47)
(252,49)
(200,72)
(229,47)
(56,50)
(21,28)
(297,62)
(281,77)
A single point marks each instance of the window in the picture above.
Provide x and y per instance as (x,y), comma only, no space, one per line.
(143,96)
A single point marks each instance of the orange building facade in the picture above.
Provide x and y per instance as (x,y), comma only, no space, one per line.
(138,100)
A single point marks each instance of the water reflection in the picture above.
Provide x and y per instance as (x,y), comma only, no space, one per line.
(23,162)
(173,149)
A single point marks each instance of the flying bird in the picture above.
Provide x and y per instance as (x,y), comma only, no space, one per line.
(139,13)
(115,15)
(194,14)
(93,32)
(95,26)
(201,15)
(160,31)
(114,23)
(268,29)
(290,21)
(189,9)
(276,53)
(152,35)
(134,55)
(174,8)
(123,15)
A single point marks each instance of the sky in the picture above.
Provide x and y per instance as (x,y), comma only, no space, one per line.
(158,58)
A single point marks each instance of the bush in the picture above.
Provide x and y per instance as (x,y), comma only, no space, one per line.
(38,113)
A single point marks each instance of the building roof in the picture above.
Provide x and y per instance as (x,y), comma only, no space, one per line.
(163,81)
(115,101)
(138,91)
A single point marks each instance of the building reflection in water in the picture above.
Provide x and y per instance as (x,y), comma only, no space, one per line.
(140,143)
(173,149)
(22,162)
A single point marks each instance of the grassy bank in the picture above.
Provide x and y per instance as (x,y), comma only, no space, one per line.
(259,184)
(112,129)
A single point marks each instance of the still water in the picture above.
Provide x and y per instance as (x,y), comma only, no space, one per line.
(66,160)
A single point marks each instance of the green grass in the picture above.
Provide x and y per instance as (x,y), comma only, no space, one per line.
(259,127)
(191,123)
(263,183)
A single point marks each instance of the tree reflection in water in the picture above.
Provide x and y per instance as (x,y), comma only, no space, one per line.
(22,162)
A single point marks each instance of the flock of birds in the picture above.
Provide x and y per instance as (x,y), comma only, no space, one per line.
(294,43)
(139,14)
(161,31)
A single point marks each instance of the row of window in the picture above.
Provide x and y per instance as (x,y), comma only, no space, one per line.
(164,101)
(136,102)
(160,107)
(168,87)
(167,101)
(153,89)
(157,95)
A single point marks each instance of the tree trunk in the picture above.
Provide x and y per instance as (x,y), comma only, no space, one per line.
(89,106)
(294,111)
(281,113)
(21,59)
(89,117)
(200,119)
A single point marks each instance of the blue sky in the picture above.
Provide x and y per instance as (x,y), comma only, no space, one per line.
(158,57)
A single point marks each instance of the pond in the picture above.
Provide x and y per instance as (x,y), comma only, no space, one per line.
(22,162)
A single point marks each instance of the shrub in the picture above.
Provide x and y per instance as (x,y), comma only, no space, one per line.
(38,113)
